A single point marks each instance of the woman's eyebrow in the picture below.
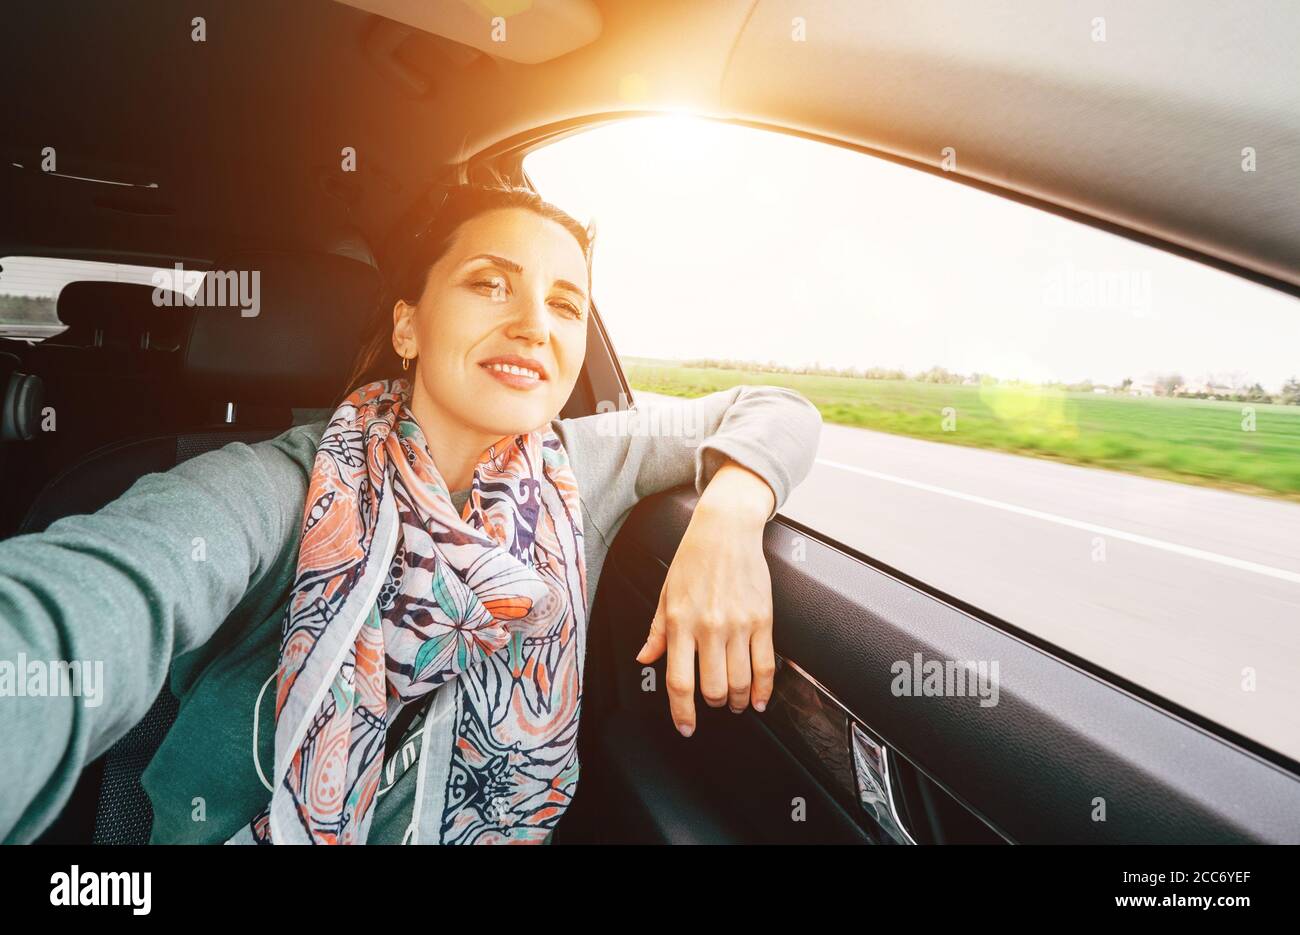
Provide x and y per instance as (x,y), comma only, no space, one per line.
(514,267)
(500,261)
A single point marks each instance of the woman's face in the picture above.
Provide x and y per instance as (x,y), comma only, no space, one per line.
(500,333)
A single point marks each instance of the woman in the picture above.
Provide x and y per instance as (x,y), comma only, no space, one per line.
(376,622)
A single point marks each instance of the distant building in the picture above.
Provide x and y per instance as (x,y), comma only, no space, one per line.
(1204,388)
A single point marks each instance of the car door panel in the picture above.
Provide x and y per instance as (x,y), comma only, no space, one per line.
(1062,756)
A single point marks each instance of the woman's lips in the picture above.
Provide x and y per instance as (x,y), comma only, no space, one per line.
(518,381)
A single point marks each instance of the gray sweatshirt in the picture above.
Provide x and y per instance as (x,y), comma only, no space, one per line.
(190,570)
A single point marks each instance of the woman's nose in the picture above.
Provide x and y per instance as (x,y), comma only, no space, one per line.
(530,321)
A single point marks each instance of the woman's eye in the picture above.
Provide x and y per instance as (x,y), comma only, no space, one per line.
(497,283)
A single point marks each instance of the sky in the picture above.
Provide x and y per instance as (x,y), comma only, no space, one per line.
(722,241)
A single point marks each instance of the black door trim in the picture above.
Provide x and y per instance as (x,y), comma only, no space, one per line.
(1035,765)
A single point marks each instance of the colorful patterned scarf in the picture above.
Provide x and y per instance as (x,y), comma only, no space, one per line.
(395,595)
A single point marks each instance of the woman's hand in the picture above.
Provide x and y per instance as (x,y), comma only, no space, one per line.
(717,599)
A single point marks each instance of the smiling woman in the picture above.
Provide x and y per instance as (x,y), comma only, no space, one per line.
(413,572)
(464,307)
(477,310)
(445,248)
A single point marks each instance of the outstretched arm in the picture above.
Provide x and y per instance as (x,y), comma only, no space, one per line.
(111,597)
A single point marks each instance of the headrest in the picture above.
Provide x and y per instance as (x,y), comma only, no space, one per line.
(279,328)
(118,314)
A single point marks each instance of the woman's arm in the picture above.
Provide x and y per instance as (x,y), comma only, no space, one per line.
(745,449)
(623,457)
(120,592)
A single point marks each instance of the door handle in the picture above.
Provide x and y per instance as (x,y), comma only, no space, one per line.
(873,768)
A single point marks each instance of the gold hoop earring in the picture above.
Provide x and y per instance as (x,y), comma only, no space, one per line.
(406,363)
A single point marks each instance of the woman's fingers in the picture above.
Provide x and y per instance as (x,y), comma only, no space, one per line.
(739,677)
(763,659)
(731,673)
(713,668)
(656,642)
(681,680)
(736,659)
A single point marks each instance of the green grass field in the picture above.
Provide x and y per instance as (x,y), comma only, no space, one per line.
(1189,440)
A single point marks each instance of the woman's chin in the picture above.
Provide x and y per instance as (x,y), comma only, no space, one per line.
(516,421)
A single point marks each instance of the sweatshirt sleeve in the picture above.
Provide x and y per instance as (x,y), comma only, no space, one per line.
(118,593)
(622,457)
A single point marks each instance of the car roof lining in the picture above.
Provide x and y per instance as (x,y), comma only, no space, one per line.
(527,32)
(245,131)
(1144,130)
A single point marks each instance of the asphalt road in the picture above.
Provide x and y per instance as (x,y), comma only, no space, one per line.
(1178,588)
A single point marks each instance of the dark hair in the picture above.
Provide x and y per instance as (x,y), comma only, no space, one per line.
(376,359)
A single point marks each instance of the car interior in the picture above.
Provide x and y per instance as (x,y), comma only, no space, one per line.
(228,152)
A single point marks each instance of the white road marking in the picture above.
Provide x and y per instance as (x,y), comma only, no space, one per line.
(1280,573)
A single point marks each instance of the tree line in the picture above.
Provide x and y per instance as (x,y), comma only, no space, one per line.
(1171,384)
